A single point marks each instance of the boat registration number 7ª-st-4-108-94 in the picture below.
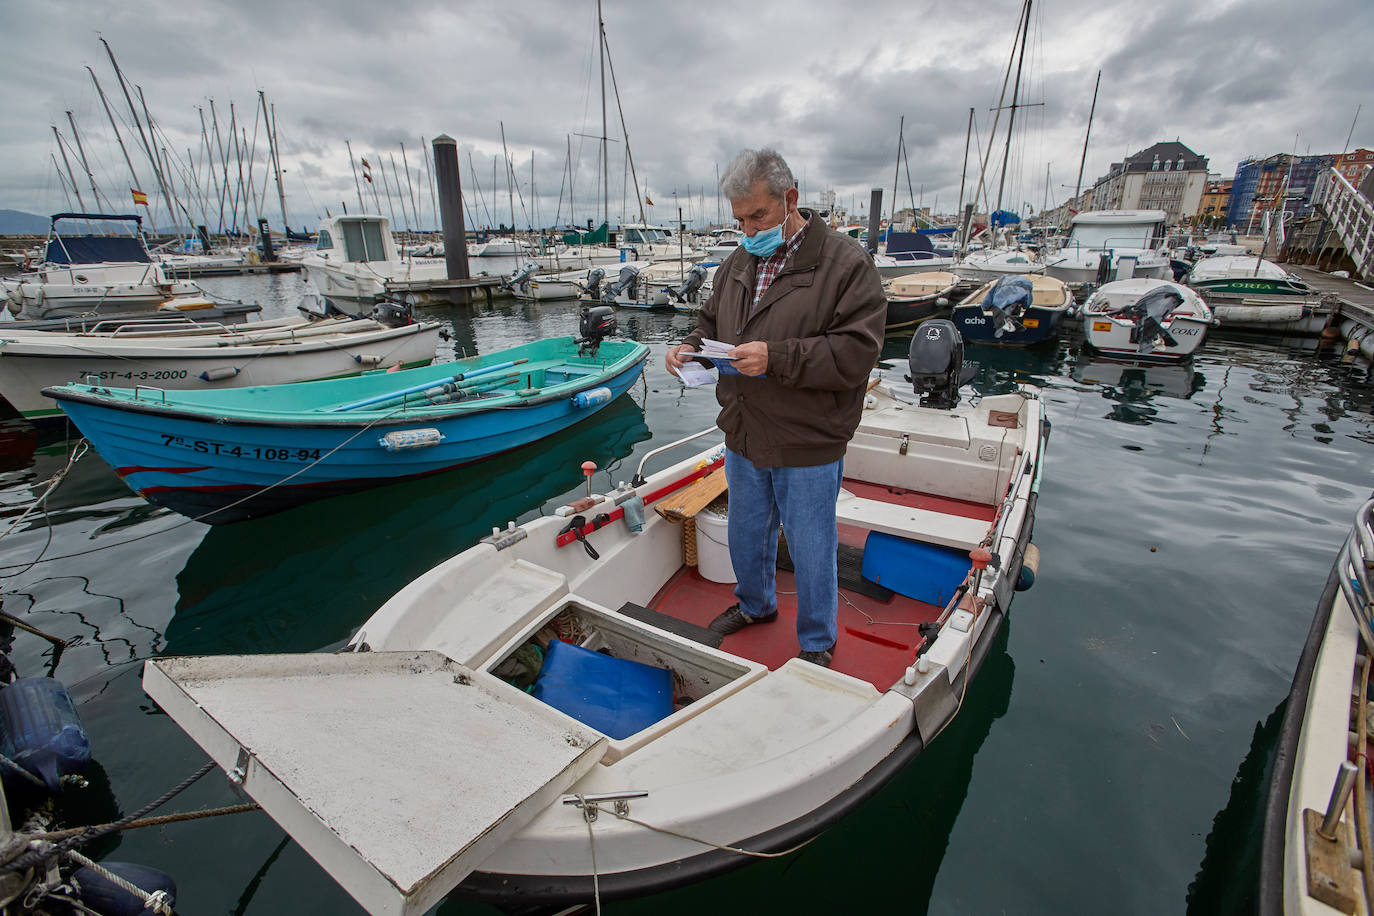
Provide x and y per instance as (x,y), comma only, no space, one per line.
(259,452)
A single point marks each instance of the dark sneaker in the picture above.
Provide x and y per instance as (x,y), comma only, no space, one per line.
(820,657)
(732,620)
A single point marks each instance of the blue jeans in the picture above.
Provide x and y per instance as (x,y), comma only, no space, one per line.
(804,500)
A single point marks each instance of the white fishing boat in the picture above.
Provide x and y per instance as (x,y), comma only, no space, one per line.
(990,264)
(1249,293)
(500,248)
(1317,837)
(1106,245)
(1145,319)
(913,298)
(416,763)
(85,273)
(723,244)
(526,282)
(656,243)
(355,261)
(195,355)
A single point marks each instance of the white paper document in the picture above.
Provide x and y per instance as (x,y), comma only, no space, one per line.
(694,375)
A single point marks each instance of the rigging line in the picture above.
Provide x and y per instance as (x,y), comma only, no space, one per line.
(583,803)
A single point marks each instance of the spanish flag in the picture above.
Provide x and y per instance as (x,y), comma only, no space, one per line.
(139,197)
(647,200)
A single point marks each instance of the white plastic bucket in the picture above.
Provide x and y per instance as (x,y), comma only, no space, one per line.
(713,547)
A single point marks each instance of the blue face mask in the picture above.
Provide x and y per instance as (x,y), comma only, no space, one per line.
(766,241)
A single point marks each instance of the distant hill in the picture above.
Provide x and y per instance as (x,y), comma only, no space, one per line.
(16,222)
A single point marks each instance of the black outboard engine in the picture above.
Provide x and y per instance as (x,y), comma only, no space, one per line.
(1007,301)
(392,314)
(690,290)
(595,324)
(1148,312)
(937,363)
(593,284)
(627,284)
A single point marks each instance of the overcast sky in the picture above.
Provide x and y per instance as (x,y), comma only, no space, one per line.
(823,82)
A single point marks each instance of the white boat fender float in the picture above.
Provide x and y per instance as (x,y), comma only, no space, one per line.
(219,374)
(1030,566)
(594,397)
(399,440)
(41,732)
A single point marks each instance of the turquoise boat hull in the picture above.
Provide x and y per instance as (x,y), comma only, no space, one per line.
(227,455)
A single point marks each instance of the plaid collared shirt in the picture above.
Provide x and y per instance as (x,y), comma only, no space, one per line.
(771,266)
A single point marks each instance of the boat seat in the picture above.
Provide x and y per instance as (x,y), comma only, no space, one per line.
(476,624)
(907,522)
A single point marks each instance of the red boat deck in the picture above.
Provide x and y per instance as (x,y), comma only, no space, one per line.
(877,639)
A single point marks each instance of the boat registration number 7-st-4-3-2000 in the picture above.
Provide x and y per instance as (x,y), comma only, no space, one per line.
(146,375)
(262,453)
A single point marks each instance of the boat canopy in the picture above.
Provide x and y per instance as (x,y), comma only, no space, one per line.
(600,236)
(118,217)
(96,249)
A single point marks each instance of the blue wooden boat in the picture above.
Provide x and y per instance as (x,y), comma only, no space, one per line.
(1014,311)
(226,455)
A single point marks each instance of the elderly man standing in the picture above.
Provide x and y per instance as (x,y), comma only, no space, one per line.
(805,309)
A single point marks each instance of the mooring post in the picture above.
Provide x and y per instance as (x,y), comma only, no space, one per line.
(450,190)
(268,255)
(875,215)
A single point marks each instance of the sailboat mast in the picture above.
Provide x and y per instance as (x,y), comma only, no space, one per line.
(1078,185)
(62,148)
(510,191)
(896,170)
(605,162)
(1011,119)
(357,185)
(276,158)
(968,135)
(81,153)
(109,114)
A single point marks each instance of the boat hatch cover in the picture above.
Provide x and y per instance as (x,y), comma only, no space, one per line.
(399,772)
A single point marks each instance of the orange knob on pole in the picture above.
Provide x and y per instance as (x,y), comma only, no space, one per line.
(981,557)
(588,469)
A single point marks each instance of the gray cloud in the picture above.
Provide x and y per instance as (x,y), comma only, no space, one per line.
(825,83)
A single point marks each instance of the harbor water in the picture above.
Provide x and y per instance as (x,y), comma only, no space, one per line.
(1112,754)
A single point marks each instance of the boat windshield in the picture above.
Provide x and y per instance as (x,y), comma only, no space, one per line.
(323,242)
(1115,235)
(363,241)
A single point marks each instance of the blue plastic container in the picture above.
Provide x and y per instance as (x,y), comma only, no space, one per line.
(40,730)
(615,696)
(925,572)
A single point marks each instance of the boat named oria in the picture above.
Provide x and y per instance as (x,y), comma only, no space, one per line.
(550,721)
(1248,293)
(225,455)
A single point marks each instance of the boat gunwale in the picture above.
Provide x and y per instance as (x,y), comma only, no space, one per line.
(349,420)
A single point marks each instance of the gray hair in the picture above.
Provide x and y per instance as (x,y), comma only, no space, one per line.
(752,166)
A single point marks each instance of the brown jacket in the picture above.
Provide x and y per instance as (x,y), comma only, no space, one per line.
(823,319)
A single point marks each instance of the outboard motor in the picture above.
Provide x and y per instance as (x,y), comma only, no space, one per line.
(593,284)
(1007,301)
(392,314)
(937,363)
(520,278)
(1148,312)
(627,284)
(690,290)
(595,324)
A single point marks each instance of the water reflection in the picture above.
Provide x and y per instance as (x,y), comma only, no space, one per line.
(298,580)
(1131,386)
